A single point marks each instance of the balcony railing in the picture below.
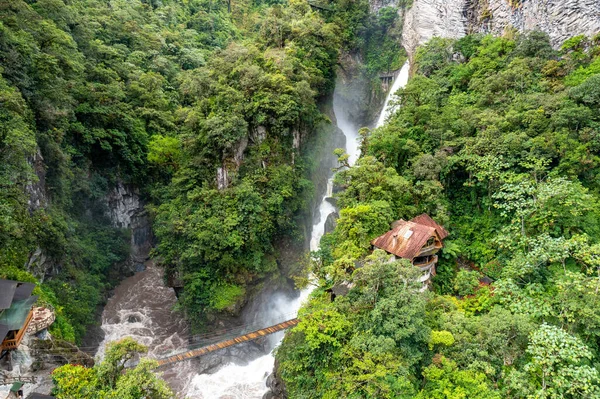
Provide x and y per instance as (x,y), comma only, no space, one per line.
(426,264)
(13,343)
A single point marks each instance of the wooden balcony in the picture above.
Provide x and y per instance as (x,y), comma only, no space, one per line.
(15,340)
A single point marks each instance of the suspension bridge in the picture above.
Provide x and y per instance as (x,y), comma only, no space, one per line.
(166,361)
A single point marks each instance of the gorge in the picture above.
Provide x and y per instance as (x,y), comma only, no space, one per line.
(168,167)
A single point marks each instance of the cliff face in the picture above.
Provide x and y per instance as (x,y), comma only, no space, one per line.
(561,19)
(431,18)
(126,210)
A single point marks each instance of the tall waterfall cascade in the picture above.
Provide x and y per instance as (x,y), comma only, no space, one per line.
(142,308)
(399,83)
(249,381)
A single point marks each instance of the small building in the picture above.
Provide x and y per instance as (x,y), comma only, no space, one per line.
(417,240)
(16,312)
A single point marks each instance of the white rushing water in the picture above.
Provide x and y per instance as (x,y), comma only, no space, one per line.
(399,83)
(142,308)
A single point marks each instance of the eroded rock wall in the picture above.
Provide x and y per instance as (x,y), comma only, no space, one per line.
(561,19)
(431,18)
(126,210)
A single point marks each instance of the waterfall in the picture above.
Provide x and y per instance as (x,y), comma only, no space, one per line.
(141,307)
(249,381)
(399,83)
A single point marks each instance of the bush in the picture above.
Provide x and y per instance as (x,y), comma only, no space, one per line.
(466,282)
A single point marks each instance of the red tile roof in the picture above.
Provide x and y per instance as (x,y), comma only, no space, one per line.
(426,220)
(407,238)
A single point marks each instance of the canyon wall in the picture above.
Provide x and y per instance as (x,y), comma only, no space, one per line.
(561,19)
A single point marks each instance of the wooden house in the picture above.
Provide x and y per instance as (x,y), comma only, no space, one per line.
(417,240)
(16,312)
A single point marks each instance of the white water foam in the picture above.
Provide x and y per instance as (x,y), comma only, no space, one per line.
(399,83)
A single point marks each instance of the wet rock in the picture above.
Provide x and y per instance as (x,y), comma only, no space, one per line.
(276,385)
(36,189)
(123,204)
(331,222)
(40,265)
(125,210)
(258,135)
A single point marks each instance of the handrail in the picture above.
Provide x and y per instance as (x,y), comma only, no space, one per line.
(14,342)
(433,259)
(42,324)
(221,345)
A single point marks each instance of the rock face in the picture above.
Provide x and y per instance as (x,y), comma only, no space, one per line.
(37,189)
(123,204)
(275,385)
(561,19)
(377,5)
(126,211)
(431,18)
(331,222)
(40,265)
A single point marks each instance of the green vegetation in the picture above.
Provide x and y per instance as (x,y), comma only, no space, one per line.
(110,378)
(164,96)
(86,84)
(497,139)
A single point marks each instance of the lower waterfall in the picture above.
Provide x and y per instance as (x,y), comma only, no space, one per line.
(142,308)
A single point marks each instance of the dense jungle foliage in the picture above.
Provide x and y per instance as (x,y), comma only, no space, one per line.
(110,379)
(499,140)
(162,96)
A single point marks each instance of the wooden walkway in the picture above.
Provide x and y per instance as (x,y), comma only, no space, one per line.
(225,344)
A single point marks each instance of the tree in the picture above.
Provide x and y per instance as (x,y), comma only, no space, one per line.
(559,365)
(109,379)
(466,282)
(445,381)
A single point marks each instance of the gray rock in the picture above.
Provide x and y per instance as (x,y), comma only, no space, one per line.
(430,18)
(331,222)
(126,210)
(275,384)
(40,265)
(123,203)
(561,19)
(36,189)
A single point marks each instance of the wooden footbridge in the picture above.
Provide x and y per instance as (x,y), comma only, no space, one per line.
(225,344)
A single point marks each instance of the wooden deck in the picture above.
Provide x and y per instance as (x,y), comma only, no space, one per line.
(224,344)
(13,343)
